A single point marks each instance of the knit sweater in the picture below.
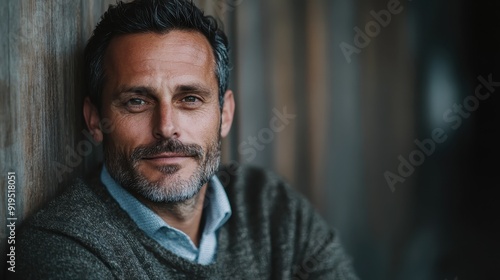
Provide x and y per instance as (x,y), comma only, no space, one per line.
(274,233)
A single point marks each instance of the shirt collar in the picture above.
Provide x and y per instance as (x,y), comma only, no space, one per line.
(217,209)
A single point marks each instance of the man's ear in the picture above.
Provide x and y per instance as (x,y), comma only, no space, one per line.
(227,113)
(92,119)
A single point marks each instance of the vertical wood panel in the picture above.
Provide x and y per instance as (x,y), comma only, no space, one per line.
(344,177)
(283,65)
(318,93)
(41,98)
(252,90)
(388,120)
(9,147)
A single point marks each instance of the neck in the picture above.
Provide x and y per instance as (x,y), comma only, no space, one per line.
(185,216)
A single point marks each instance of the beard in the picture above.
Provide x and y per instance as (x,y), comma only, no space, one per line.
(124,170)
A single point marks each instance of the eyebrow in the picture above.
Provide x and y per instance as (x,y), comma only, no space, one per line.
(150,91)
(195,87)
(141,90)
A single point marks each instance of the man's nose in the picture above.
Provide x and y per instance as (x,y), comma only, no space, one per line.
(165,122)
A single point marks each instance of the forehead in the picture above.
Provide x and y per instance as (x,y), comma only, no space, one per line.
(176,53)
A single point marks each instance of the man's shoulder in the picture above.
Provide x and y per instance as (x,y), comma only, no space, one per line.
(254,183)
(258,193)
(271,218)
(80,204)
(61,233)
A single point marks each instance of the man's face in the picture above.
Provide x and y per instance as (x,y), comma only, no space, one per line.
(161,95)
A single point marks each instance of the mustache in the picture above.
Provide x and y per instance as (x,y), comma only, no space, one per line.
(167,146)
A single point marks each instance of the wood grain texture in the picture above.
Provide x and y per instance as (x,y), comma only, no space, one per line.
(41,98)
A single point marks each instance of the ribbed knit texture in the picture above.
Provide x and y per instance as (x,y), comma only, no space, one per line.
(274,233)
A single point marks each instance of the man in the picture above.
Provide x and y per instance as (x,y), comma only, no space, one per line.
(157,71)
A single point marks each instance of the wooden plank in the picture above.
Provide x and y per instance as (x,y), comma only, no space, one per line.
(8,126)
(41,100)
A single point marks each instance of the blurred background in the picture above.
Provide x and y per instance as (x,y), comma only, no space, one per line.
(383,113)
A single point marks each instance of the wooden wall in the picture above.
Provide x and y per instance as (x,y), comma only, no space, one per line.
(40,99)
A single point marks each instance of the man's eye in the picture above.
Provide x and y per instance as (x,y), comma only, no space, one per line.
(136,102)
(190,99)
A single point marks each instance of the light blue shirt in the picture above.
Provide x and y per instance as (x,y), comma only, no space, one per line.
(217,211)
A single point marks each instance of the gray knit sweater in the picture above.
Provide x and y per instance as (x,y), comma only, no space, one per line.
(274,233)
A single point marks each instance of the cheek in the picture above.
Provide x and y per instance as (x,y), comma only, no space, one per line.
(129,132)
(202,125)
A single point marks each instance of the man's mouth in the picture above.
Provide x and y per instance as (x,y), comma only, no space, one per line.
(167,158)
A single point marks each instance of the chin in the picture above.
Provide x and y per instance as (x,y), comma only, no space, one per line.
(168,184)
(168,191)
